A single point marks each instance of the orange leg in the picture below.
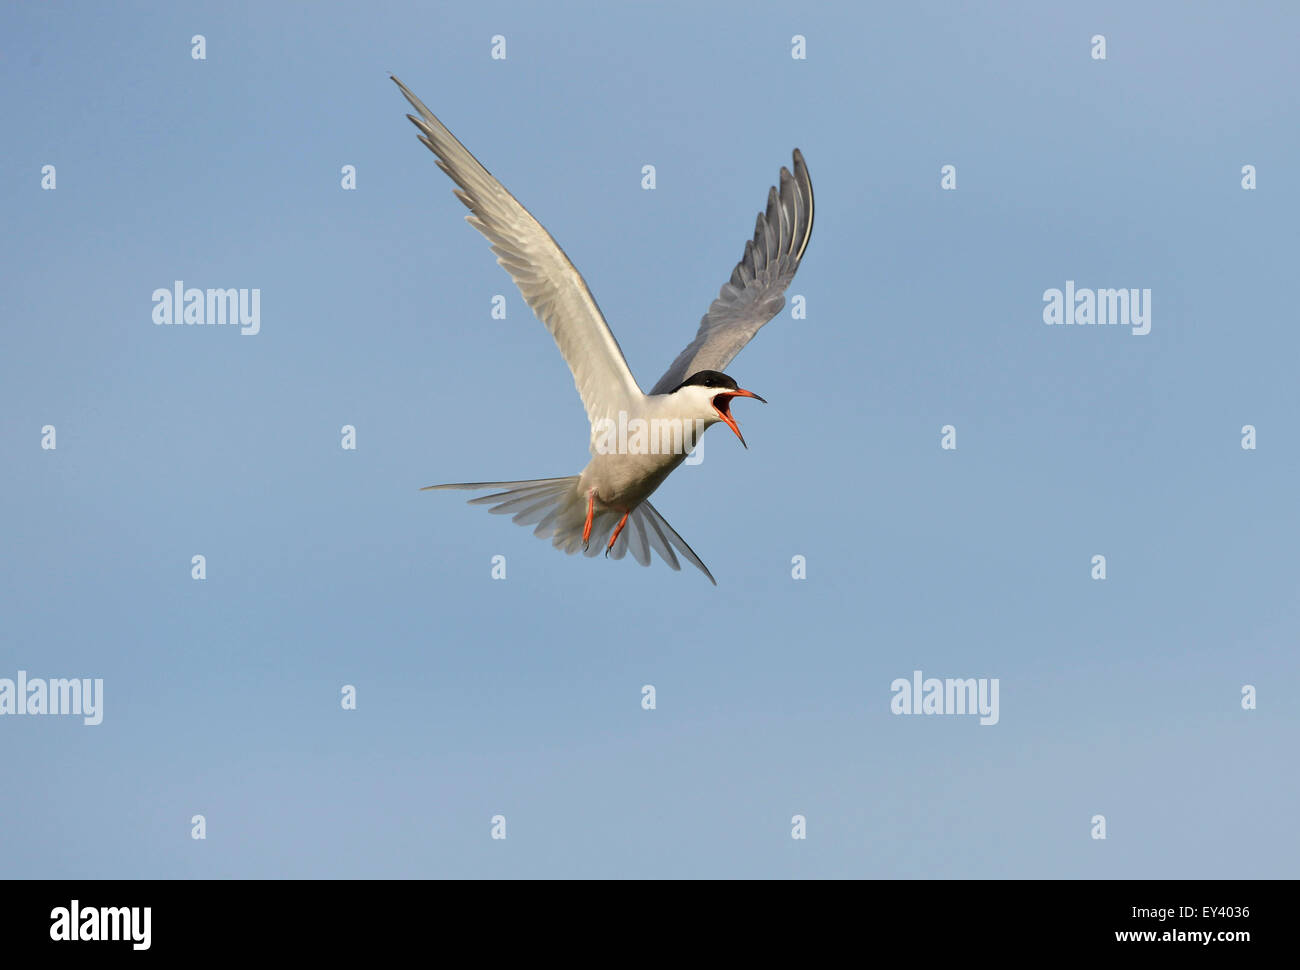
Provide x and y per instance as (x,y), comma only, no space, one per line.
(591,512)
(614,538)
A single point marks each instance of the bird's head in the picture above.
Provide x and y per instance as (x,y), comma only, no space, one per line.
(707,395)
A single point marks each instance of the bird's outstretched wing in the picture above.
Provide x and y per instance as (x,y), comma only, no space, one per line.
(547,279)
(755,292)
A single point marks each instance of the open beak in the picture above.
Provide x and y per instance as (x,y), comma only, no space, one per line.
(722,404)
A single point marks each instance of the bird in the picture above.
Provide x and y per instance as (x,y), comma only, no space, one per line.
(637,439)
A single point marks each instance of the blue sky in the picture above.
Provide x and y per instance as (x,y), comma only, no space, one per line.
(522,697)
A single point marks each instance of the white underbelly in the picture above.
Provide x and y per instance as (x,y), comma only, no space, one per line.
(625,481)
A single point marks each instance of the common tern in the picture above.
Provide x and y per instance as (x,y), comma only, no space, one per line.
(637,439)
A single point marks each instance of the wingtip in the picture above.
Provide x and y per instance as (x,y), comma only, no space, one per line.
(409,95)
(801,169)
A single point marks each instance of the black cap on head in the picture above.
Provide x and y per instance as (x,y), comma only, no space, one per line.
(708,378)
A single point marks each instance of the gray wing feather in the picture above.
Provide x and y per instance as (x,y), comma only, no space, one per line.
(549,282)
(756,291)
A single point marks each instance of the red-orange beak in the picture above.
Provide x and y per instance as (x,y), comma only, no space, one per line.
(722,404)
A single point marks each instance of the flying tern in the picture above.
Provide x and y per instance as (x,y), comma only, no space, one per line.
(637,439)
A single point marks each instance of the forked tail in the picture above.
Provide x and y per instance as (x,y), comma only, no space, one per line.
(559,511)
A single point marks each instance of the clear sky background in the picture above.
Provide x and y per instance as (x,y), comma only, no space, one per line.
(522,697)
